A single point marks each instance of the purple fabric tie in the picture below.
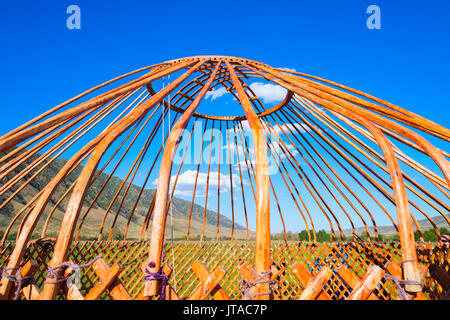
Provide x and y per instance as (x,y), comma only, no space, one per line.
(400,283)
(54,272)
(160,275)
(259,278)
(17,278)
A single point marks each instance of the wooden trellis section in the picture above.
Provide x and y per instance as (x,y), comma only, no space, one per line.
(194,260)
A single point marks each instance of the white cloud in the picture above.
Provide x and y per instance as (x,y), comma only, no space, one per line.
(268,92)
(288,69)
(216,93)
(186,182)
(245,126)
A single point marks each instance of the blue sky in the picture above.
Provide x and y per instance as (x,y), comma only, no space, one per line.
(406,62)
(44,63)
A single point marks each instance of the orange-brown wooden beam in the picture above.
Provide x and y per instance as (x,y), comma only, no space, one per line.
(262,261)
(78,195)
(203,274)
(304,277)
(93,103)
(116,289)
(315,285)
(406,231)
(160,212)
(352,280)
(209,285)
(346,107)
(369,283)
(399,114)
(66,103)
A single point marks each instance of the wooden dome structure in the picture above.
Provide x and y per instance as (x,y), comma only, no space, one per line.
(343,159)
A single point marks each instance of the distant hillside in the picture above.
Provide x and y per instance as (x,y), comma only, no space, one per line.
(390,230)
(180,207)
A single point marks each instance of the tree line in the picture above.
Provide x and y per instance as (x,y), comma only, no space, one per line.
(429,235)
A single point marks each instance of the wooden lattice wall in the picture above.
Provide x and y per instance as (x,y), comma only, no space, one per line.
(131,254)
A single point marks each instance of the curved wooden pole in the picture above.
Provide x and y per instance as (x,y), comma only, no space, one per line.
(110,175)
(262,263)
(316,173)
(34,216)
(316,284)
(221,78)
(75,203)
(406,233)
(333,144)
(395,112)
(135,167)
(329,167)
(234,138)
(59,148)
(207,184)
(323,117)
(152,204)
(405,176)
(231,183)
(315,94)
(81,95)
(247,153)
(273,153)
(431,176)
(162,190)
(95,102)
(365,287)
(196,180)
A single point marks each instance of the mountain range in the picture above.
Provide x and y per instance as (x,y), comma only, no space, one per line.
(176,224)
